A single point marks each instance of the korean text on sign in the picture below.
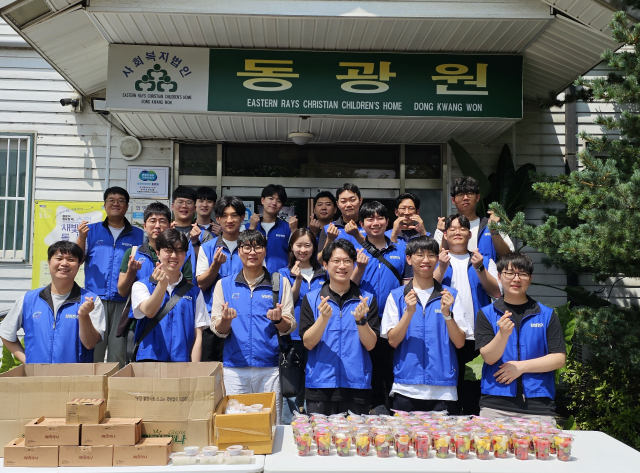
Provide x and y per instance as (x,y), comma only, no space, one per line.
(267,71)
(452,73)
(367,78)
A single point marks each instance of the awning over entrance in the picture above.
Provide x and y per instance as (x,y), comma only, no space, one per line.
(557,44)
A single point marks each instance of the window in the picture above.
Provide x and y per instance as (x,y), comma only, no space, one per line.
(198,160)
(15,196)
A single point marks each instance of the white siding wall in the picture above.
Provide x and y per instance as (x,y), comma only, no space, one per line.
(70,147)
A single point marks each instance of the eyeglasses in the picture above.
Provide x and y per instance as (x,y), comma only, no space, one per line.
(181,202)
(457,230)
(339,262)
(246,249)
(171,251)
(511,275)
(428,255)
(406,209)
(115,201)
(461,195)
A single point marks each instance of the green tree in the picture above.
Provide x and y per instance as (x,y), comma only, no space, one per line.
(598,232)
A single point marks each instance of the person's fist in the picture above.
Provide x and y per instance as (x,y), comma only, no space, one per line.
(325,309)
(254,221)
(314,225)
(293,223)
(362,259)
(159,275)
(219,258)
(419,227)
(87,306)
(295,270)
(444,257)
(351,228)
(476,259)
(275,314)
(83,228)
(411,299)
(361,309)
(228,313)
(194,234)
(441,224)
(493,217)
(332,232)
(505,324)
(446,302)
(215,229)
(133,265)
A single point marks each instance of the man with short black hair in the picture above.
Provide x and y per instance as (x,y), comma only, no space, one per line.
(62,322)
(339,325)
(522,344)
(205,205)
(408,223)
(276,231)
(104,245)
(425,324)
(324,209)
(465,195)
(244,314)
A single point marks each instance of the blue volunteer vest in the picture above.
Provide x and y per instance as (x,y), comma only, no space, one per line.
(342,234)
(478,294)
(231,266)
(104,256)
(404,236)
(54,338)
(318,279)
(528,343)
(426,355)
(253,339)
(485,243)
(172,339)
(339,360)
(378,279)
(277,245)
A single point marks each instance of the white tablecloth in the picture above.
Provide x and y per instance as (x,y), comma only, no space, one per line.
(256,467)
(592,452)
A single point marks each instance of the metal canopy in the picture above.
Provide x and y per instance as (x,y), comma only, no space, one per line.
(74,40)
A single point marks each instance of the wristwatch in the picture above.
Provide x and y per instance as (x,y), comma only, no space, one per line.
(480,268)
(276,322)
(362,322)
(449,317)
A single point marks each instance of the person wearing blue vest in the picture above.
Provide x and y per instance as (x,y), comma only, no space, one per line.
(62,322)
(465,195)
(522,344)
(425,324)
(244,314)
(104,245)
(219,258)
(304,274)
(476,279)
(379,279)
(339,325)
(324,210)
(178,335)
(205,205)
(276,231)
(347,226)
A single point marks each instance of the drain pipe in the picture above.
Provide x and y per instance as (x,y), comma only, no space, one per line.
(107,157)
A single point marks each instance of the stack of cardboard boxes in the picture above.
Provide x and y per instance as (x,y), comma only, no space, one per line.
(86,438)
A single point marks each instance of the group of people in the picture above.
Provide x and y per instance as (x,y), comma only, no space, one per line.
(382,318)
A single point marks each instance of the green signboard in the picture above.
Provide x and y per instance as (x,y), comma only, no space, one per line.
(355,83)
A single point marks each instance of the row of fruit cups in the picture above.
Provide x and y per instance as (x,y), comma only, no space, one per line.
(461,443)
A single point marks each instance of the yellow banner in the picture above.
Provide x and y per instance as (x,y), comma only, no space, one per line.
(55,221)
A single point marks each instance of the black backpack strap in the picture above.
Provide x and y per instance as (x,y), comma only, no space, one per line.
(180,290)
(379,256)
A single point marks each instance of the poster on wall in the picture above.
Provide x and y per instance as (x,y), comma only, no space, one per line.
(148,182)
(55,221)
(248,204)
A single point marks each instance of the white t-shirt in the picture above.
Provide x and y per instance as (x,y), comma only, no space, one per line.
(473,241)
(267,226)
(460,282)
(390,319)
(140,293)
(13,321)
(232,245)
(307,273)
(115,232)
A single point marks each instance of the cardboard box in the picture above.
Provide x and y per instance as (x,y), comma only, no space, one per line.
(101,455)
(17,454)
(166,391)
(34,390)
(254,431)
(113,431)
(184,433)
(148,452)
(51,431)
(85,411)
